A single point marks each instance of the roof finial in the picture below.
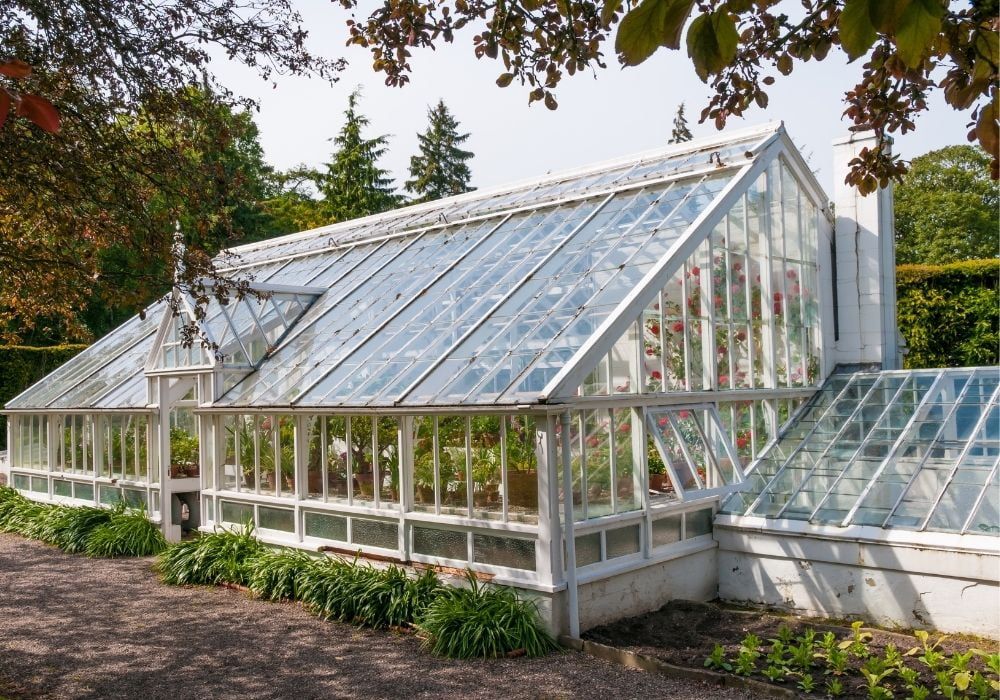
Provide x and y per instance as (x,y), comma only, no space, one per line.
(177,251)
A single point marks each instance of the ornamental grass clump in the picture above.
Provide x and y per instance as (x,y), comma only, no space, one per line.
(335,589)
(72,528)
(275,574)
(483,622)
(128,533)
(218,557)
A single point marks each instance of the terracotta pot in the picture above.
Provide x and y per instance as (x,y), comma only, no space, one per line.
(364,484)
(522,488)
(657,482)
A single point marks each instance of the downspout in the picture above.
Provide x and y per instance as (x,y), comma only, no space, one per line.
(572,592)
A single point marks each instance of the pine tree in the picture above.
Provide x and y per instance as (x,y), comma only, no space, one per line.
(354,185)
(681,132)
(441,168)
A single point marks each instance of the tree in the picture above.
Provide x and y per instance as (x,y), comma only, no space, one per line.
(905,49)
(292,205)
(121,169)
(947,209)
(354,185)
(681,132)
(441,168)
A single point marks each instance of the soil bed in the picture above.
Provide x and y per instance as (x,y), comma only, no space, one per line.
(684,633)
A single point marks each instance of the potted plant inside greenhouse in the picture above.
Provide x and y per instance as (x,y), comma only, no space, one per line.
(183,454)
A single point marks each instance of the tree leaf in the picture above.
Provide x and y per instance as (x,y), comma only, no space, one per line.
(712,41)
(857,33)
(987,130)
(917,27)
(885,14)
(40,111)
(505,79)
(654,23)
(4,107)
(609,10)
(15,69)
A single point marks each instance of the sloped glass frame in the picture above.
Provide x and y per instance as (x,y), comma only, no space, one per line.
(912,450)
(696,450)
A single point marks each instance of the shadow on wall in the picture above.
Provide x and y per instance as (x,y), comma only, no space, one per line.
(891,585)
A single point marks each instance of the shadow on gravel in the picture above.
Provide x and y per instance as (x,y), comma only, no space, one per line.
(71,627)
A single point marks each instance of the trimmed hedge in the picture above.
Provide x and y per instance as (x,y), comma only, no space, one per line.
(950,314)
(21,366)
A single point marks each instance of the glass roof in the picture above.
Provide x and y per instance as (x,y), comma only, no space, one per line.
(914,450)
(479,299)
(108,374)
(487,300)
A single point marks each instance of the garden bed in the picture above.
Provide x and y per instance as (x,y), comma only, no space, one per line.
(687,634)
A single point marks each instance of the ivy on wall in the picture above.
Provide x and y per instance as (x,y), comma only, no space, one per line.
(950,314)
(22,366)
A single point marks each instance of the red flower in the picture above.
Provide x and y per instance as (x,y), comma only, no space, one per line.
(742,442)
(723,380)
(593,441)
(654,328)
(741,335)
(695,271)
(678,326)
(718,300)
(649,351)
(662,422)
(777,308)
(737,266)
(777,296)
(743,278)
(722,349)
(655,374)
(683,414)
(624,428)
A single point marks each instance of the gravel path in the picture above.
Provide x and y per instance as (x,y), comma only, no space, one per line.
(78,628)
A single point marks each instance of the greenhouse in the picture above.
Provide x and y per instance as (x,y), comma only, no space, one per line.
(555,384)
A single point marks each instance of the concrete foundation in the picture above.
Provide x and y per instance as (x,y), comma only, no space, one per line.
(692,576)
(892,585)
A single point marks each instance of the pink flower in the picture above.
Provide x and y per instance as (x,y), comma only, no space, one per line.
(624,428)
(593,441)
(683,414)
(737,266)
(791,274)
(743,278)
(662,422)
(649,351)
(678,326)
(723,380)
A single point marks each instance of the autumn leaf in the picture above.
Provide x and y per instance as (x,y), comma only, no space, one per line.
(654,23)
(15,69)
(40,111)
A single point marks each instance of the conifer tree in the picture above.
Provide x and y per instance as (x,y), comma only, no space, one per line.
(441,168)
(681,132)
(354,185)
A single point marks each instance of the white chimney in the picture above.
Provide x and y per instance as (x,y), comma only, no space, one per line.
(866,265)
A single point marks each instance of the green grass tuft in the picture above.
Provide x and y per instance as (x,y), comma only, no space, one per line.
(128,533)
(274,574)
(483,622)
(218,557)
(73,529)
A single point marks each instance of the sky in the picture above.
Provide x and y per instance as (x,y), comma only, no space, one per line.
(614,113)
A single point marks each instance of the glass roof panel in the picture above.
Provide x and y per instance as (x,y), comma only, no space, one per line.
(101,367)
(911,450)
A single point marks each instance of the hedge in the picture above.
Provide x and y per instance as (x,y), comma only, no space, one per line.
(950,314)
(22,366)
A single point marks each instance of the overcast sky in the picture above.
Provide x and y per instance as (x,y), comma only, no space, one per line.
(619,112)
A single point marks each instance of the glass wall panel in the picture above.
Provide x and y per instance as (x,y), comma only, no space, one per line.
(510,552)
(521,448)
